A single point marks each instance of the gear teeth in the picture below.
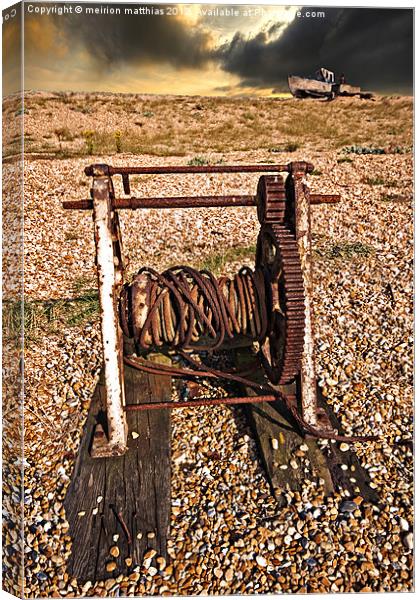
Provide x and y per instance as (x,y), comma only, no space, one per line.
(272,198)
(272,193)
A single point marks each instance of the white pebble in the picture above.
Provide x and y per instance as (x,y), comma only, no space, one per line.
(261,561)
(404,524)
(409,541)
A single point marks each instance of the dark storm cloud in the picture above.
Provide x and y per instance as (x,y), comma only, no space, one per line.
(373,47)
(113,40)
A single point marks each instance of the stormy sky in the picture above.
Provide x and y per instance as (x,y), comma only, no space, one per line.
(209,49)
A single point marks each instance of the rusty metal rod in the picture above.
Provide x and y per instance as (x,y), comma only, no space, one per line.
(200,402)
(89,171)
(190,202)
(170,202)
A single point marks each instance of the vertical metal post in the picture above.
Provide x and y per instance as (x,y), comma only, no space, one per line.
(308,386)
(110,270)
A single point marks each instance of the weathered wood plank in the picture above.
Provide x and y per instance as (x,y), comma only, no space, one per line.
(272,421)
(127,496)
(335,458)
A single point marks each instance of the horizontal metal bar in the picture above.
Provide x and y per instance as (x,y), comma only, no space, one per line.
(200,402)
(193,169)
(171,202)
(77,204)
(189,202)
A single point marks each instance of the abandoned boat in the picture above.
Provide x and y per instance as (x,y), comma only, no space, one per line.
(323,85)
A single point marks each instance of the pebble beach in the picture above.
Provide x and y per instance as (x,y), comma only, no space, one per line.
(228,534)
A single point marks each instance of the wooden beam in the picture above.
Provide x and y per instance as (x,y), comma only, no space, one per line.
(280,442)
(353,477)
(124,501)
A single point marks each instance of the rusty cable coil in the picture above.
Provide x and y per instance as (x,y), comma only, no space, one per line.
(185,308)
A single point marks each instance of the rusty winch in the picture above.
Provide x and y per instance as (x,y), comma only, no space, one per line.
(183,309)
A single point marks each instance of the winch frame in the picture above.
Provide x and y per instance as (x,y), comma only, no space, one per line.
(110,272)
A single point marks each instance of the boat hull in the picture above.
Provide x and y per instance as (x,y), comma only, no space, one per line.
(302,87)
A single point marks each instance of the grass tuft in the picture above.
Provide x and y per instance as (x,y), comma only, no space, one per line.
(40,316)
(118,141)
(198,161)
(363,150)
(395,198)
(287,147)
(291,146)
(216,262)
(71,235)
(89,141)
(345,250)
(373,181)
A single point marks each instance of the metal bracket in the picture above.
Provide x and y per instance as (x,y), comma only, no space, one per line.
(110,269)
